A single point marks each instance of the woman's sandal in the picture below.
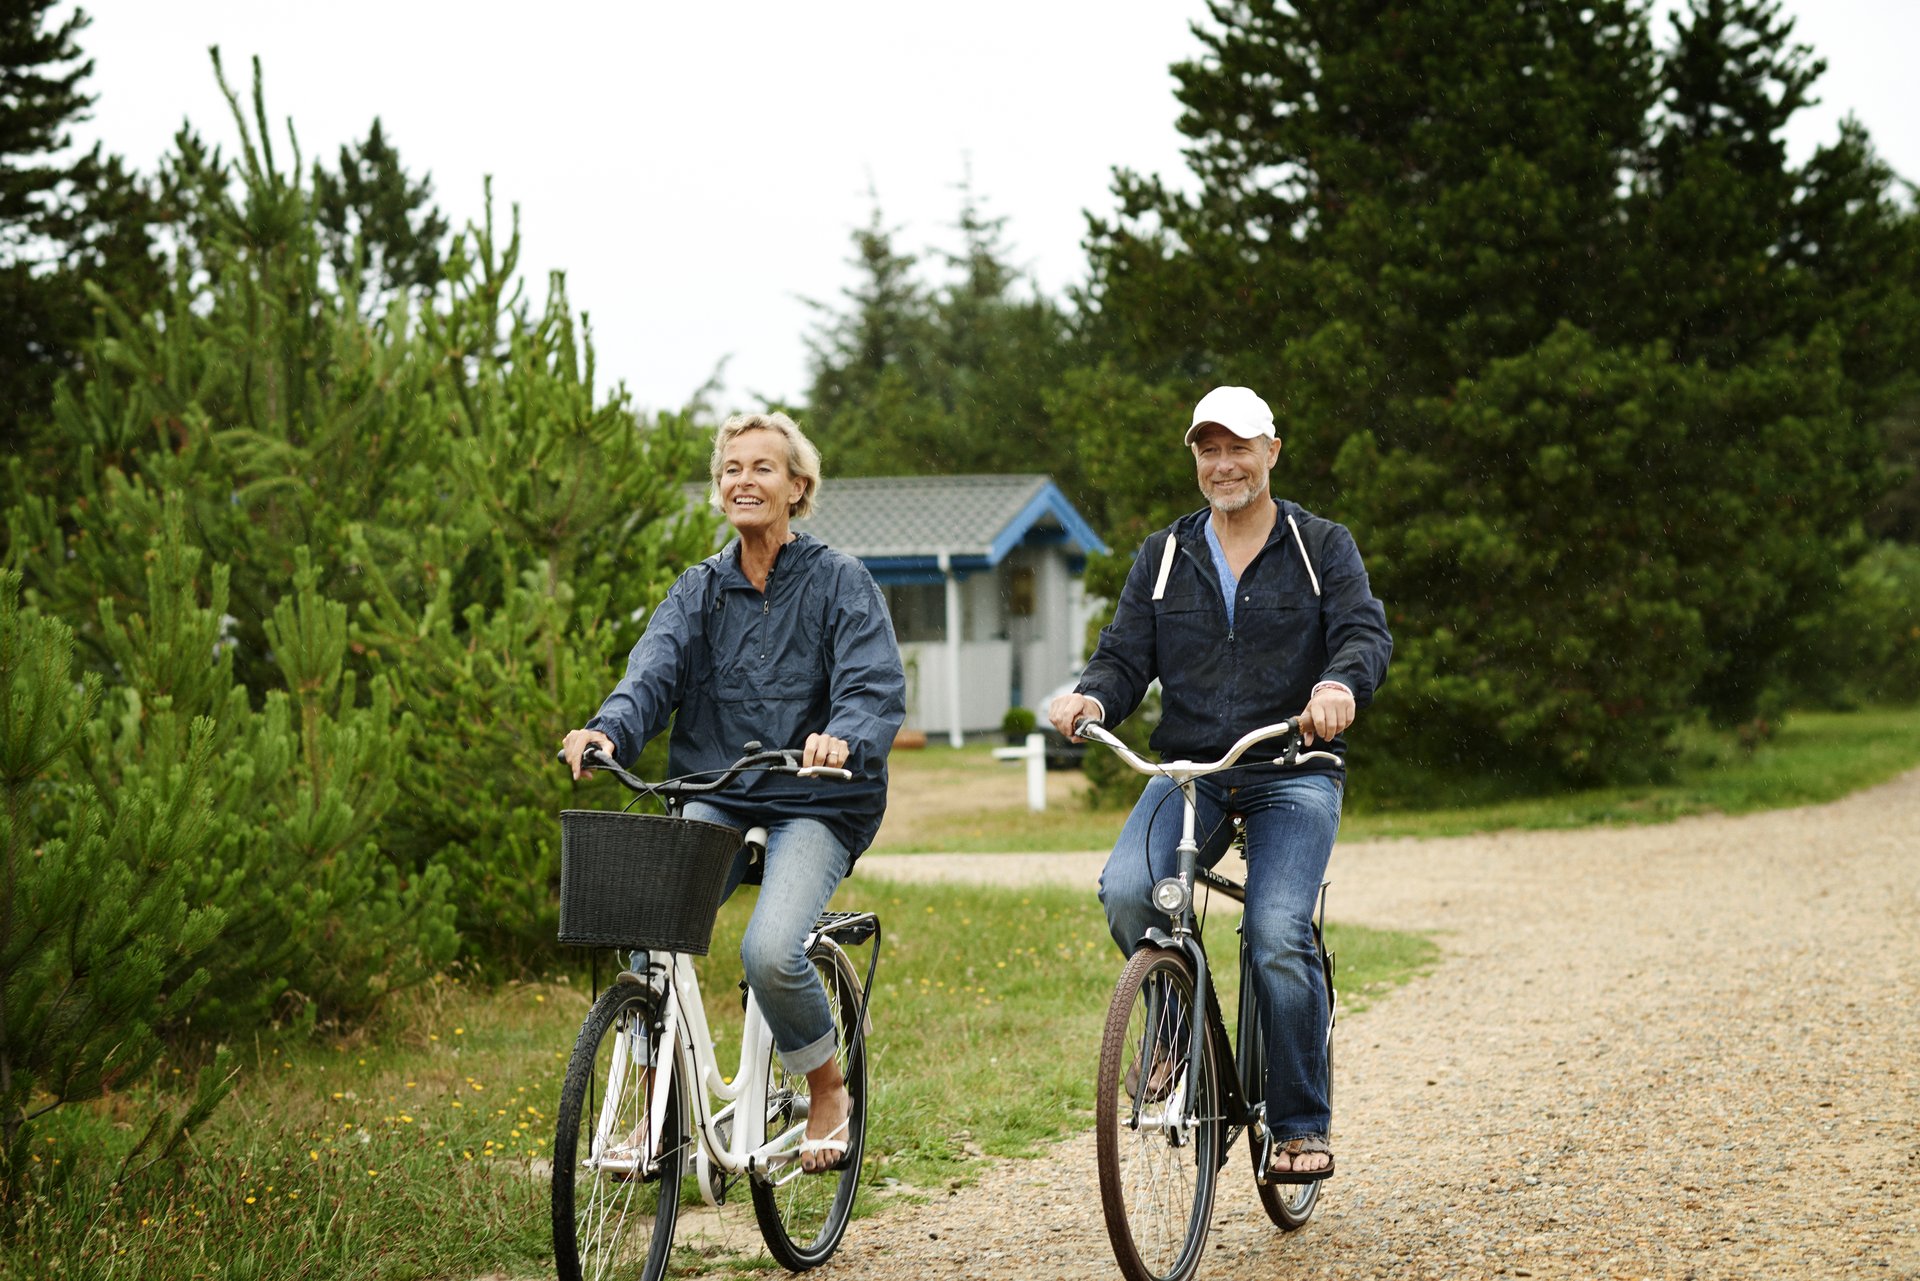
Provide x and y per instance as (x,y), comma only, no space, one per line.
(832,1143)
(1293,1148)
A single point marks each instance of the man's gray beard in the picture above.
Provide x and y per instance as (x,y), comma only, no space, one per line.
(1228,506)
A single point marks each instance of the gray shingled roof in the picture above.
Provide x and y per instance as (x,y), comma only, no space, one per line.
(908,520)
(919,515)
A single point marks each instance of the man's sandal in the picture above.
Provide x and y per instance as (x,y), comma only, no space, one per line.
(832,1143)
(1293,1148)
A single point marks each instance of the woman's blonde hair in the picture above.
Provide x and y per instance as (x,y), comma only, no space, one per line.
(803,460)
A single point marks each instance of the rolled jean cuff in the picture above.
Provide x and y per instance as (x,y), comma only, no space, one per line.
(808,1057)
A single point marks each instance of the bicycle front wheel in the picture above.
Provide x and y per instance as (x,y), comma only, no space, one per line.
(1158,1110)
(804,1216)
(616,1192)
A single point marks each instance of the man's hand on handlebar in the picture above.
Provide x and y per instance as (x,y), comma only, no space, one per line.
(575,745)
(1328,712)
(1068,710)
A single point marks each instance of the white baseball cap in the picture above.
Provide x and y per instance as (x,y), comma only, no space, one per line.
(1237,409)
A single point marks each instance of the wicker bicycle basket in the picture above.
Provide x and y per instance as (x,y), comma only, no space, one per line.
(641,880)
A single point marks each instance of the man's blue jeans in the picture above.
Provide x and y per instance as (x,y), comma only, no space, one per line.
(1291,823)
(804,865)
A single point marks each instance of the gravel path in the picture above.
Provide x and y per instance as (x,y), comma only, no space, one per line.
(1686,1051)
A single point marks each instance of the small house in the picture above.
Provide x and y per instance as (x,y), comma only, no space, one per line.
(983,577)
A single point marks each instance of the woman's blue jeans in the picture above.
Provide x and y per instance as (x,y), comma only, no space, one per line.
(804,865)
(1291,823)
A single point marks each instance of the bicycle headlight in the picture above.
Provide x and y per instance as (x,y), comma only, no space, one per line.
(1170,896)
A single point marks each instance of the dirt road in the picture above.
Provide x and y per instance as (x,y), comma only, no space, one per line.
(1687,1051)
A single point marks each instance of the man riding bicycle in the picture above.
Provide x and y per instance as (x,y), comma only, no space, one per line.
(1249,611)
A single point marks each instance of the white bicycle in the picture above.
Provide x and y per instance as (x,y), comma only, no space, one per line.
(644,1098)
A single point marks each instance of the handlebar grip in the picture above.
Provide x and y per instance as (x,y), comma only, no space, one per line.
(824,771)
(1080,726)
(594,757)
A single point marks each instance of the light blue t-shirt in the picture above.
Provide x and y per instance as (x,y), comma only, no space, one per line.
(1229,584)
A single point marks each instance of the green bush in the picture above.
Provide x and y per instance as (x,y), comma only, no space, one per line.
(1865,648)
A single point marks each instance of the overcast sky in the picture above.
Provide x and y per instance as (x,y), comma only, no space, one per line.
(697,169)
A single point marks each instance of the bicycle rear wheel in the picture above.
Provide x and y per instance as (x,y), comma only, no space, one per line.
(1289,1205)
(1158,1109)
(804,1216)
(616,1222)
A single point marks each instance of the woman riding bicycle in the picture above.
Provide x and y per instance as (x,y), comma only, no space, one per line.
(1247,612)
(782,640)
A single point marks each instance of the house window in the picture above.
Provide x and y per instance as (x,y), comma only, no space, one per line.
(919,611)
(1020,592)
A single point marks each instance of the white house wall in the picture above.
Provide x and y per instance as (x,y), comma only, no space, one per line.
(986,673)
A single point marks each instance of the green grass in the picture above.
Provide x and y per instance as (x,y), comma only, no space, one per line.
(417,1153)
(1816,757)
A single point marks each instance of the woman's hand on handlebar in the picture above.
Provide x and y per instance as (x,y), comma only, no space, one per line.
(1066,712)
(575,745)
(825,749)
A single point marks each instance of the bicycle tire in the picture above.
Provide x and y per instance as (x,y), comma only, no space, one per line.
(606,1224)
(1157,1173)
(804,1216)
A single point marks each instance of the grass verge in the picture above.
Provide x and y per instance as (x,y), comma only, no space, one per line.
(1815,758)
(421,1152)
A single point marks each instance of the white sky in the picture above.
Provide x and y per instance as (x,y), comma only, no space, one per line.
(698,168)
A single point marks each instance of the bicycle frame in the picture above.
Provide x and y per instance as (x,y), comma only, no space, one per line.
(721,1151)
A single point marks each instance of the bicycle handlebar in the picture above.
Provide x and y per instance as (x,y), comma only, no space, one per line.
(1184,771)
(783,760)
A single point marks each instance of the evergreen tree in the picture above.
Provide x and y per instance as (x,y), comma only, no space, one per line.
(913,380)
(865,408)
(65,221)
(381,232)
(472,532)
(98,945)
(1412,232)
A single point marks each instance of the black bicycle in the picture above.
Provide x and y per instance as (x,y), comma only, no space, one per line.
(1168,1112)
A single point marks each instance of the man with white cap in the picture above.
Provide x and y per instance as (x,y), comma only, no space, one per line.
(1249,611)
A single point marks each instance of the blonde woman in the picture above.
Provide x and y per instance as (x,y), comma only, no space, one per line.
(777,639)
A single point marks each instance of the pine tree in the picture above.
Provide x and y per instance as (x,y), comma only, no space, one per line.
(940,380)
(1563,452)
(98,946)
(65,222)
(419,543)
(382,234)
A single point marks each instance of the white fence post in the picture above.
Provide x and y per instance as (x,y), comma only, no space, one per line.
(1035,755)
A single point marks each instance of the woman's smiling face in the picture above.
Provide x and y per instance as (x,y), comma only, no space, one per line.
(756,489)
